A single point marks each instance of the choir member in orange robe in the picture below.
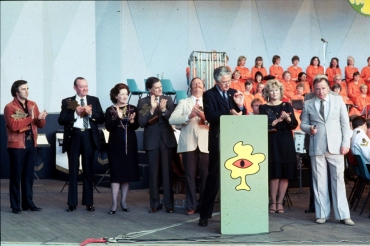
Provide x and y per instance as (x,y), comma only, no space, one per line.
(275,69)
(302,78)
(365,74)
(349,104)
(350,69)
(257,79)
(244,71)
(354,86)
(338,80)
(298,96)
(314,69)
(258,67)
(294,70)
(259,93)
(299,89)
(362,100)
(236,82)
(188,72)
(289,86)
(248,96)
(333,70)
(256,102)
(226,62)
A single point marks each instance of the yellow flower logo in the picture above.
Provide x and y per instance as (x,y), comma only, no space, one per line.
(361,6)
(245,163)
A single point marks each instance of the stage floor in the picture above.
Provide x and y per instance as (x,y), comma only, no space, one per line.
(54,226)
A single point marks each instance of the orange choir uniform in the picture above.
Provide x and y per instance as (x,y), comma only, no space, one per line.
(244,73)
(347,101)
(188,73)
(349,73)
(297,113)
(361,102)
(238,85)
(255,84)
(312,71)
(277,71)
(343,91)
(365,75)
(294,71)
(351,110)
(331,72)
(298,97)
(289,89)
(307,88)
(261,70)
(247,102)
(353,90)
(257,95)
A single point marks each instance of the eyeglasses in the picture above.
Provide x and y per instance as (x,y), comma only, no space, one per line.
(225,82)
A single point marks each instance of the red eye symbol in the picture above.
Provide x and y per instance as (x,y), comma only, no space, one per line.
(242,163)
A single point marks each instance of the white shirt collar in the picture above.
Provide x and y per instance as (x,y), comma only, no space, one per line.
(326,99)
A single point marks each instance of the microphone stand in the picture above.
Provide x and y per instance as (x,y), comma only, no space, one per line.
(325,46)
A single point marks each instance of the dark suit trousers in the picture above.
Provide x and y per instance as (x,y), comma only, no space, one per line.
(82,143)
(22,166)
(212,185)
(160,159)
(195,162)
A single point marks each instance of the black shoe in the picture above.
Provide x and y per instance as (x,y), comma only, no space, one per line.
(90,208)
(111,212)
(16,211)
(125,209)
(32,209)
(153,210)
(203,222)
(71,208)
(310,210)
(170,210)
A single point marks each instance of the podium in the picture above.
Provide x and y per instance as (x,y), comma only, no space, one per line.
(244,174)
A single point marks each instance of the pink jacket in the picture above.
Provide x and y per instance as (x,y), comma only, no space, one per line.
(16,139)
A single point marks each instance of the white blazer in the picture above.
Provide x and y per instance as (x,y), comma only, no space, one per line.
(333,133)
(192,134)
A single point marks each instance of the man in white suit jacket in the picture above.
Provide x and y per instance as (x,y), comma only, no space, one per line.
(193,142)
(325,118)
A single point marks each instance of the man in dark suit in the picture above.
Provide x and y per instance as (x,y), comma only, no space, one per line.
(159,142)
(80,117)
(219,100)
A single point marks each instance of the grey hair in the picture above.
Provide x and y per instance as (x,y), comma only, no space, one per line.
(350,57)
(270,84)
(220,72)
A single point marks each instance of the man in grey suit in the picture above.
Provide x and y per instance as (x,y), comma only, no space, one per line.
(159,142)
(325,118)
(193,142)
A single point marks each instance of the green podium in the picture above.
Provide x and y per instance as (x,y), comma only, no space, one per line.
(244,174)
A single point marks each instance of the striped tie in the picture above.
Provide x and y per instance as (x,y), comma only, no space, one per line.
(85,118)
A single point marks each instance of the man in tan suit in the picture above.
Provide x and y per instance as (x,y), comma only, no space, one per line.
(193,141)
(325,119)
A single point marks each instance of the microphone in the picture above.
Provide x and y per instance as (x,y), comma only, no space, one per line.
(324,40)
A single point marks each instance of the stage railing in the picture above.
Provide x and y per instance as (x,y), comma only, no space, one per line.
(203,63)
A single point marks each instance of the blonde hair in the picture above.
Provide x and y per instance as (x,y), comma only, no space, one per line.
(271,84)
(241,58)
(363,86)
